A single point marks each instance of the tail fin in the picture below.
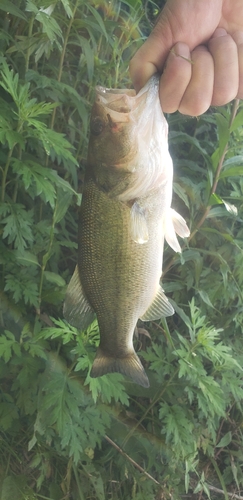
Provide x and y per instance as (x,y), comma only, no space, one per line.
(129,365)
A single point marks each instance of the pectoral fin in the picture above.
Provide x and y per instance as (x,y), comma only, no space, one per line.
(139,228)
(159,308)
(174,223)
(77,310)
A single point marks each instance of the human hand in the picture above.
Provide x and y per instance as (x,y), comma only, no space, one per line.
(198,45)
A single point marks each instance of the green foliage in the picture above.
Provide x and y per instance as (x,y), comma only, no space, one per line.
(64,434)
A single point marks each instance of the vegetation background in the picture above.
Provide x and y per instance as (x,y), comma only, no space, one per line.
(63,434)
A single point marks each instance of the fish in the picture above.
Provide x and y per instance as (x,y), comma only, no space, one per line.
(124,219)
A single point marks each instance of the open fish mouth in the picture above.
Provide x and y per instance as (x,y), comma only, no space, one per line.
(119,103)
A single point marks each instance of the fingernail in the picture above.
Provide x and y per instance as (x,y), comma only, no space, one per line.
(219,32)
(181,50)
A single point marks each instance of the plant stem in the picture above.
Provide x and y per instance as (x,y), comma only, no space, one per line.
(220,477)
(31,22)
(230,495)
(46,257)
(62,57)
(124,454)
(5,173)
(16,184)
(81,496)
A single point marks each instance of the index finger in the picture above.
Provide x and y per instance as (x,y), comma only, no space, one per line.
(150,58)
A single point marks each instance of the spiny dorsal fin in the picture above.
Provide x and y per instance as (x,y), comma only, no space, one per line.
(174,223)
(130,366)
(159,308)
(77,310)
(139,228)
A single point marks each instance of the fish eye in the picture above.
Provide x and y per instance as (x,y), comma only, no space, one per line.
(96,126)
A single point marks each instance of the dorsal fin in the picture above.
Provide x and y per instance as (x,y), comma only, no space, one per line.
(77,310)
(159,308)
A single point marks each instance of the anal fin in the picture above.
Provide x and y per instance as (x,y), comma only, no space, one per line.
(159,308)
(77,310)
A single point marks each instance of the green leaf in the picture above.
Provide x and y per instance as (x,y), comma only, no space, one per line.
(65,406)
(9,7)
(62,204)
(177,425)
(231,172)
(223,131)
(31,294)
(62,330)
(13,138)
(225,440)
(49,26)
(233,160)
(204,296)
(181,137)
(215,200)
(26,258)
(8,413)
(235,473)
(211,400)
(67,8)
(180,191)
(89,54)
(45,179)
(54,278)
(54,143)
(10,81)
(32,172)
(7,342)
(108,387)
(181,313)
(31,7)
(10,489)
(238,121)
(18,226)
(23,285)
(99,20)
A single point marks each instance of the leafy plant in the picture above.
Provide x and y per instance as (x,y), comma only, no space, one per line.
(63,434)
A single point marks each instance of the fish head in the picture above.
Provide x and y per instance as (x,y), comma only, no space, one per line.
(129,139)
(112,129)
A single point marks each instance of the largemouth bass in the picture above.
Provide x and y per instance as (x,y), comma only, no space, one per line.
(124,218)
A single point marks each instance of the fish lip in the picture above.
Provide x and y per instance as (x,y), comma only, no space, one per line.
(114,92)
(124,105)
(120,104)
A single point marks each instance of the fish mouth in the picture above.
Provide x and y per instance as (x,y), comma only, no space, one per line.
(120,105)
